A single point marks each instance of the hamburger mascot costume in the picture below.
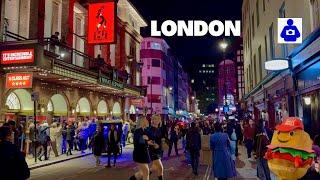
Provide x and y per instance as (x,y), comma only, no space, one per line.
(290,153)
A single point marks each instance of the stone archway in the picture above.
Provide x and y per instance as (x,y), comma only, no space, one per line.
(58,105)
(132,109)
(19,100)
(116,109)
(83,107)
(102,108)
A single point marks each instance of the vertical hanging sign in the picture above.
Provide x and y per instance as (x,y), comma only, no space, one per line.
(102,23)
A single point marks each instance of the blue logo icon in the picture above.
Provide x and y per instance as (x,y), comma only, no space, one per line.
(289,30)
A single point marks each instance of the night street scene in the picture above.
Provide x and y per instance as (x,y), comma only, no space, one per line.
(160,89)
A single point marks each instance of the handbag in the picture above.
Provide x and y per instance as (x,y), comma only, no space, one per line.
(164,144)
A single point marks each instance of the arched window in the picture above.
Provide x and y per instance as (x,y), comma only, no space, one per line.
(13,102)
(50,106)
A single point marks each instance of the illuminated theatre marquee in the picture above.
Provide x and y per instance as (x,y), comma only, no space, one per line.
(196,28)
(18,56)
(18,80)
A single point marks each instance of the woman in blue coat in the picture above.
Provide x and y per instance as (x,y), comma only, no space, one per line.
(223,165)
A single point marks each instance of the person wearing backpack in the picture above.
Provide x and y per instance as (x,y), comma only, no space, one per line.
(260,147)
(194,146)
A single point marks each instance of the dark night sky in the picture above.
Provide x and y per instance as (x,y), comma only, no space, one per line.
(190,48)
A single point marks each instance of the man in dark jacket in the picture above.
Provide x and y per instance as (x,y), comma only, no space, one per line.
(194,147)
(113,143)
(173,141)
(12,160)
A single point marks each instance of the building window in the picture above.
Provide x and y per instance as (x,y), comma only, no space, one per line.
(154,80)
(155,45)
(315,13)
(266,47)
(271,38)
(282,14)
(264,5)
(260,63)
(154,98)
(156,63)
(257,11)
(255,69)
(13,102)
(252,25)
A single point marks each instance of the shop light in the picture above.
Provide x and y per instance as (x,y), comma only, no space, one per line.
(62,55)
(307,100)
(276,65)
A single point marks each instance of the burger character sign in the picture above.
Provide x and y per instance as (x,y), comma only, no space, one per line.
(290,153)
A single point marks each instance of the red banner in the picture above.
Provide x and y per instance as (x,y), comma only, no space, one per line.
(101,23)
(18,80)
(41,119)
(137,102)
(18,56)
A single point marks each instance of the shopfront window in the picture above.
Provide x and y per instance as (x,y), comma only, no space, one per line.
(315,13)
(309,77)
(13,102)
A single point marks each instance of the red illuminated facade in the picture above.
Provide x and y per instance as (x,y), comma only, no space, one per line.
(227,81)
(68,74)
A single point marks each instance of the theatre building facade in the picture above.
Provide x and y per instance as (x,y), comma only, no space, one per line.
(69,78)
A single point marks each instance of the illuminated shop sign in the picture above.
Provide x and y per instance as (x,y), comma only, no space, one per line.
(101,22)
(109,82)
(18,80)
(18,56)
(196,28)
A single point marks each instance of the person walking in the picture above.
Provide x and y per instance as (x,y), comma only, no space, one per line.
(13,165)
(155,149)
(249,134)
(113,143)
(260,147)
(233,144)
(53,138)
(44,138)
(173,140)
(194,147)
(141,154)
(125,132)
(98,144)
(70,139)
(83,136)
(223,165)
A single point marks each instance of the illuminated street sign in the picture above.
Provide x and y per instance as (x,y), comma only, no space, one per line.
(276,65)
(18,56)
(18,80)
(101,23)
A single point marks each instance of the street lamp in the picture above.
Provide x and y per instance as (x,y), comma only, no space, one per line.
(223,45)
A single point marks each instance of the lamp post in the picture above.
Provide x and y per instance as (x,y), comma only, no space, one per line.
(223,46)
